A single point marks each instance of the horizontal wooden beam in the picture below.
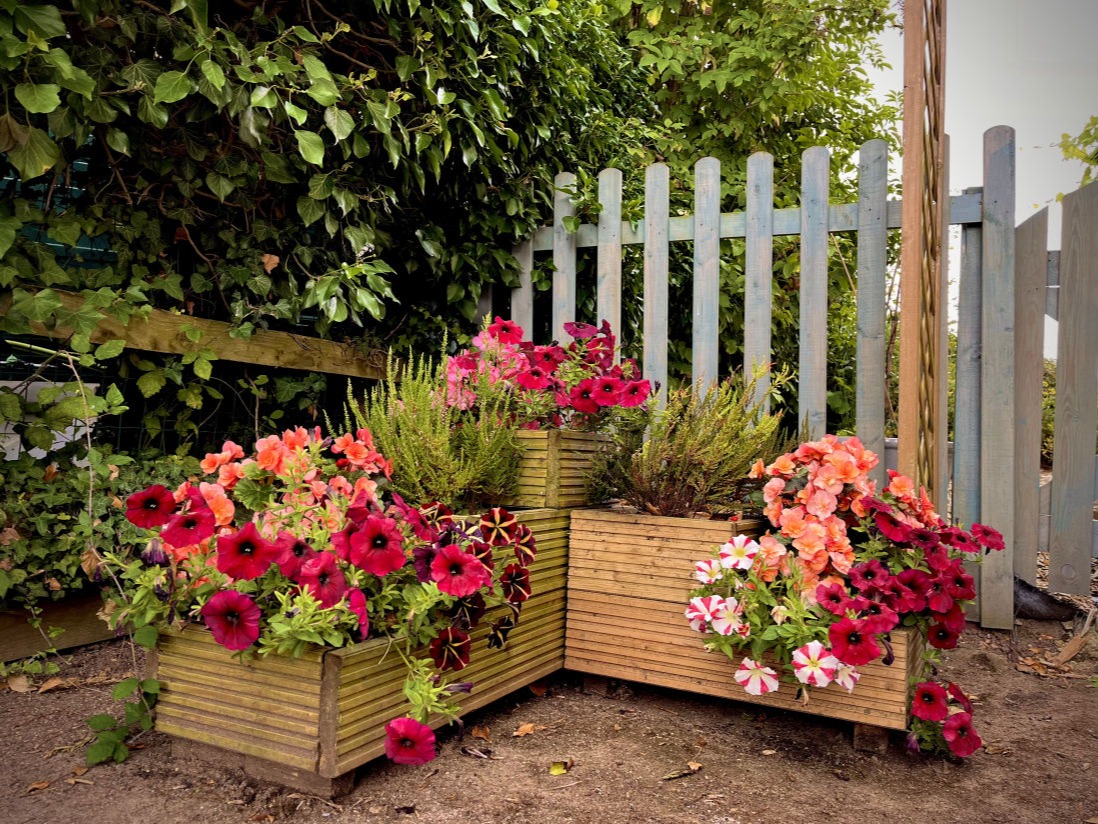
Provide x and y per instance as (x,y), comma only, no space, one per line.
(166,332)
(966,208)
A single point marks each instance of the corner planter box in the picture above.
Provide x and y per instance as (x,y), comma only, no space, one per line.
(554,468)
(76,615)
(629,582)
(309,722)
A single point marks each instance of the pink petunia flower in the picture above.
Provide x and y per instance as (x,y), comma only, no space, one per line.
(188,528)
(960,735)
(457,572)
(150,507)
(755,678)
(322,578)
(851,643)
(700,611)
(245,554)
(409,742)
(233,619)
(377,547)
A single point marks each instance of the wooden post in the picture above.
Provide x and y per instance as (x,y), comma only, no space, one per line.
(707,271)
(812,380)
(609,251)
(564,255)
(758,270)
(998,419)
(657,184)
(522,296)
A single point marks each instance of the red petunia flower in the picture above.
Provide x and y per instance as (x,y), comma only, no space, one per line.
(940,636)
(547,358)
(878,618)
(356,603)
(450,649)
(482,551)
(497,526)
(150,507)
(869,576)
(233,619)
(891,528)
(526,548)
(189,528)
(378,547)
(582,397)
(931,702)
(834,598)
(938,598)
(534,378)
(954,619)
(608,391)
(407,741)
(245,554)
(322,578)
(959,583)
(581,331)
(292,552)
(959,539)
(917,581)
(505,331)
(515,584)
(988,537)
(457,572)
(851,643)
(958,695)
(960,735)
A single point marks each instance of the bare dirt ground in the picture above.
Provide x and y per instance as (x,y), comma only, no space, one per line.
(1040,763)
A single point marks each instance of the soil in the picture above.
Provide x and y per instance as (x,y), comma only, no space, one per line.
(1039,724)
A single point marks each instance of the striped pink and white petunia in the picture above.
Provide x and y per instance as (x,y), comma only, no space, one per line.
(701,610)
(755,678)
(739,553)
(813,664)
(846,676)
(728,619)
(708,571)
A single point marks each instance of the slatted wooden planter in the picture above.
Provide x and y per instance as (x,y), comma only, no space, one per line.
(555,467)
(309,722)
(629,581)
(76,615)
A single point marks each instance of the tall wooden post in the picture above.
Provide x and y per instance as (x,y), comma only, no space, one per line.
(922,311)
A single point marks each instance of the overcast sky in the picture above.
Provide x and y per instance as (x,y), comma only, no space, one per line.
(1029,64)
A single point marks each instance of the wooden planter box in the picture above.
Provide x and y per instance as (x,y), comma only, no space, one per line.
(309,722)
(555,467)
(629,582)
(76,615)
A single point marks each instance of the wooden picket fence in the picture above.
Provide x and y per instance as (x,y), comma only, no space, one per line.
(1007,279)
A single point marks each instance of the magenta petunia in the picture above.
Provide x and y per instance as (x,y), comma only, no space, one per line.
(291,553)
(930,702)
(960,735)
(869,576)
(450,649)
(322,578)
(407,741)
(233,619)
(954,619)
(938,598)
(581,331)
(851,643)
(917,581)
(878,618)
(457,572)
(892,529)
(378,547)
(940,636)
(189,528)
(582,397)
(958,695)
(959,539)
(505,331)
(988,537)
(608,391)
(356,603)
(958,583)
(634,393)
(534,378)
(245,554)
(150,507)
(833,597)
(547,358)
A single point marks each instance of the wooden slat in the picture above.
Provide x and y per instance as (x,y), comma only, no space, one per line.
(966,421)
(843,217)
(564,255)
(812,378)
(1052,294)
(872,265)
(656,261)
(1076,389)
(522,296)
(997,418)
(759,270)
(165,331)
(941,387)
(1030,275)
(707,269)
(609,257)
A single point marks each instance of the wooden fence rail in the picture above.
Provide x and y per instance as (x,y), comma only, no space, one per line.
(996,425)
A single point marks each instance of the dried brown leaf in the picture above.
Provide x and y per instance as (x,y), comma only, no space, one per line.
(18,683)
(691,768)
(53,683)
(539,688)
(73,781)
(79,770)
(483,733)
(37,785)
(269,262)
(8,535)
(528,729)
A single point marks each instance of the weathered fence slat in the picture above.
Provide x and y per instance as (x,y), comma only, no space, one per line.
(997,381)
(657,186)
(966,422)
(608,300)
(1076,388)
(758,269)
(812,390)
(1030,277)
(564,255)
(942,461)
(707,270)
(522,296)
(872,265)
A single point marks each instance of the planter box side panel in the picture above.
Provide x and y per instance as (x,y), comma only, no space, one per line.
(76,615)
(555,467)
(268,708)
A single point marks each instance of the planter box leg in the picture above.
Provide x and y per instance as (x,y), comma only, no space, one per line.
(263,770)
(868,738)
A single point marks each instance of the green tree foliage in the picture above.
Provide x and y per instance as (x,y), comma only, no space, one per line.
(1084,148)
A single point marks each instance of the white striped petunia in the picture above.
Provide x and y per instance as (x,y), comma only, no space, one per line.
(846,676)
(701,610)
(708,571)
(728,619)
(755,678)
(813,664)
(739,553)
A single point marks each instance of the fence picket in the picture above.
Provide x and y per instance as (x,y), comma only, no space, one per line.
(759,269)
(657,186)
(707,270)
(872,262)
(813,319)
(1031,274)
(1076,388)
(997,381)
(942,465)
(608,299)
(522,296)
(564,255)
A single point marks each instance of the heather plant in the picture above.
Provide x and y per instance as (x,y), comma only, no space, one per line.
(301,544)
(817,596)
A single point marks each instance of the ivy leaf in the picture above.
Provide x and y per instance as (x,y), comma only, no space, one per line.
(213,73)
(38,98)
(310,210)
(171,87)
(119,141)
(310,147)
(219,185)
(43,20)
(339,122)
(110,349)
(9,227)
(36,156)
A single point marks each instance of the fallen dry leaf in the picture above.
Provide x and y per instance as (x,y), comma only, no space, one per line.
(483,733)
(1070,650)
(769,752)
(38,785)
(476,752)
(997,749)
(74,781)
(53,683)
(18,683)
(8,536)
(528,729)
(691,768)
(539,688)
(79,770)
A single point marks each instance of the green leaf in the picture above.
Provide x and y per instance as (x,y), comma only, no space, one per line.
(43,20)
(310,146)
(146,637)
(324,92)
(298,114)
(219,185)
(99,751)
(339,122)
(202,369)
(119,141)
(40,98)
(123,689)
(172,87)
(110,349)
(102,722)
(213,73)
(10,410)
(114,395)
(151,382)
(310,210)
(35,157)
(150,686)
(9,228)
